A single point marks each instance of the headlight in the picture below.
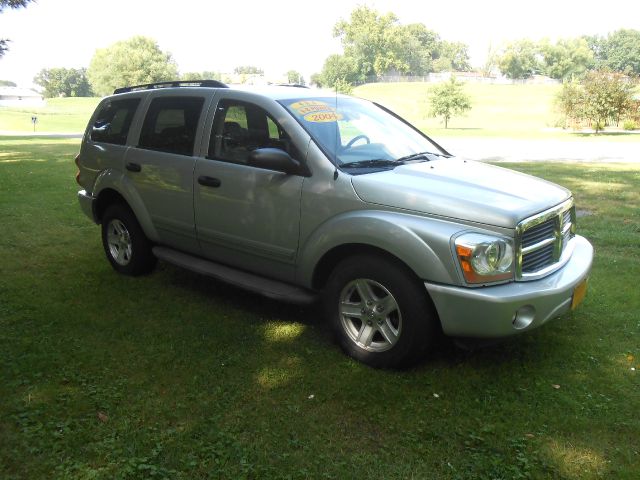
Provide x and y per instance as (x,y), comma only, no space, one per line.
(484,258)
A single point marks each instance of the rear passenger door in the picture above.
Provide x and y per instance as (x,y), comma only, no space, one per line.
(161,166)
(247,216)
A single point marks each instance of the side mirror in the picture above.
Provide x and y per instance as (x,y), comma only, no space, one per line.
(274,159)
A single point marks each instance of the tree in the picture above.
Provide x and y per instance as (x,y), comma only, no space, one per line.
(410,49)
(9,4)
(567,58)
(448,99)
(519,59)
(63,82)
(316,79)
(295,77)
(622,52)
(248,70)
(365,39)
(602,98)
(206,75)
(7,83)
(570,101)
(136,61)
(452,56)
(340,69)
(607,97)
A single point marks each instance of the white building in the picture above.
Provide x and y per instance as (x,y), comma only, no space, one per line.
(20,97)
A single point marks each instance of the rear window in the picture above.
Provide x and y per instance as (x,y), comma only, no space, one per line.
(171,123)
(113,121)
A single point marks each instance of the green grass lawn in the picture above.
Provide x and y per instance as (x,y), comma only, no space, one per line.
(174,375)
(514,111)
(65,115)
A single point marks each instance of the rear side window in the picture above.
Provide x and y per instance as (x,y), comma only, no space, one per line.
(171,123)
(113,121)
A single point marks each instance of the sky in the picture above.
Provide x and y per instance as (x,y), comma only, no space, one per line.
(277,35)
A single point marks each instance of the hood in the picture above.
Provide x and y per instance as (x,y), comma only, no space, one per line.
(461,189)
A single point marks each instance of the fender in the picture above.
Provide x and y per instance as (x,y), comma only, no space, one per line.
(423,244)
(118,181)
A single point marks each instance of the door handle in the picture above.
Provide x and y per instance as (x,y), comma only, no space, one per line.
(209,181)
(133,167)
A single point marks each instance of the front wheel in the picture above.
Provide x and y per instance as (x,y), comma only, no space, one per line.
(125,244)
(379,311)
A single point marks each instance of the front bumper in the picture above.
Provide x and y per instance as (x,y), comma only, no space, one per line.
(86,203)
(509,309)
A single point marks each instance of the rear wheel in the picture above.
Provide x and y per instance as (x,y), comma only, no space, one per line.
(125,244)
(379,311)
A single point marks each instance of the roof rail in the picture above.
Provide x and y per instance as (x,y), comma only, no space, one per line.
(295,85)
(176,83)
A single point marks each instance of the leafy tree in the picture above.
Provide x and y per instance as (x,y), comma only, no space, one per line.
(570,101)
(410,50)
(135,61)
(316,79)
(567,58)
(340,69)
(64,82)
(295,77)
(206,75)
(365,38)
(452,56)
(621,51)
(519,59)
(9,4)
(7,83)
(448,99)
(607,97)
(248,70)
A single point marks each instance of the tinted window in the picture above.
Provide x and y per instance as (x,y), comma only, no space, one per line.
(113,121)
(239,128)
(170,124)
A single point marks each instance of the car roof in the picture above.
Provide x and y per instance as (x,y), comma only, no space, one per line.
(274,92)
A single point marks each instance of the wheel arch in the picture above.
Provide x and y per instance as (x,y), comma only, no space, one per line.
(112,187)
(420,245)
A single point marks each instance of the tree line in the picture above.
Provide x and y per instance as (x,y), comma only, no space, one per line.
(377,44)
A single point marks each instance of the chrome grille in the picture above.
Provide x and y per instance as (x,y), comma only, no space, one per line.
(544,241)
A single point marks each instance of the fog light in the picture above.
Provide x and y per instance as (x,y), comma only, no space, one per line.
(523,317)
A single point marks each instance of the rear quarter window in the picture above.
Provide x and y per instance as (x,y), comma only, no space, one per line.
(113,121)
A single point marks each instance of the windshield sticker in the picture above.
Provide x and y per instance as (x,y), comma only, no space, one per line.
(319,117)
(315,111)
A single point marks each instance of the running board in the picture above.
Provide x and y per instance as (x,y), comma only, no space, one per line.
(264,286)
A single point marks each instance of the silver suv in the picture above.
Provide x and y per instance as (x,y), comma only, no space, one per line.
(298,194)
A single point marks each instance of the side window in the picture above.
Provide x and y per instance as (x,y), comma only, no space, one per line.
(171,123)
(113,121)
(239,128)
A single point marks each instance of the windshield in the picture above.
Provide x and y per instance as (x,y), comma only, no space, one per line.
(352,131)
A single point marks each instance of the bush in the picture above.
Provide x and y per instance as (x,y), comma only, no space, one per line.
(630,125)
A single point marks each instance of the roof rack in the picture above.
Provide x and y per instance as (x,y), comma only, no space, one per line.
(295,85)
(177,83)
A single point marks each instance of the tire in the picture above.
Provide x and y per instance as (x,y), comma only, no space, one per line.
(380,312)
(125,244)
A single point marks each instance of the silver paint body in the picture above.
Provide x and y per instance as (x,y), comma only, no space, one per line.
(282,226)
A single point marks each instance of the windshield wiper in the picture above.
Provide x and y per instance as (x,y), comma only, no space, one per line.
(375,162)
(416,156)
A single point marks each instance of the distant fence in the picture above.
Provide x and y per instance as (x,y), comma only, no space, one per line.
(469,77)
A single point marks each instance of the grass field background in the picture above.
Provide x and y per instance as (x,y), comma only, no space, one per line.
(62,115)
(174,375)
(514,111)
